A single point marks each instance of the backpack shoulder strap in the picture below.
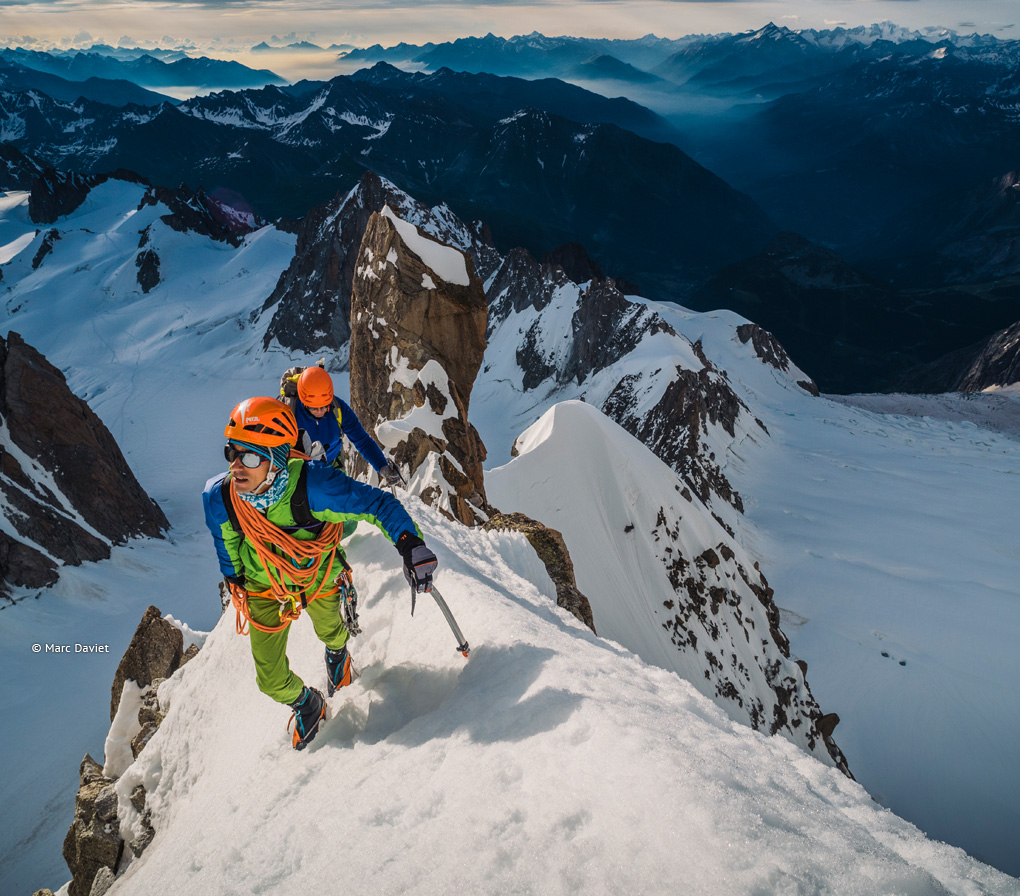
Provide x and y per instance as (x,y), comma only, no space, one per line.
(299,506)
(228,503)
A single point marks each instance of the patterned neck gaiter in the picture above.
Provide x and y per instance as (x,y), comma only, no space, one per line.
(279,476)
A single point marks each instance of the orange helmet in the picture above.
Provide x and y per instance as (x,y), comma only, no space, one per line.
(262,421)
(315,387)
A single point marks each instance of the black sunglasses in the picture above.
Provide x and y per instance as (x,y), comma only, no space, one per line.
(249,458)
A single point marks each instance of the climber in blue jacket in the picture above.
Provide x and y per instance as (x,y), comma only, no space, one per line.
(327,419)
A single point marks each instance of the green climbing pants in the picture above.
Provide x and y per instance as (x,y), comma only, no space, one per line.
(269,650)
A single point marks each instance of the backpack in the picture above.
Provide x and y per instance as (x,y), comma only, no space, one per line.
(288,389)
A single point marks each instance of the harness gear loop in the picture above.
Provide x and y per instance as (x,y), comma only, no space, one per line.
(292,565)
(239,598)
(348,599)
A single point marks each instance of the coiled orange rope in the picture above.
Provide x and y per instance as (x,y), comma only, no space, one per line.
(292,566)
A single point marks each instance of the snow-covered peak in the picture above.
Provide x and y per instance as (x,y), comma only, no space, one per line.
(663,576)
(445,261)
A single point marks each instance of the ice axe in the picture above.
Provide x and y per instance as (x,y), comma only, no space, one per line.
(462,644)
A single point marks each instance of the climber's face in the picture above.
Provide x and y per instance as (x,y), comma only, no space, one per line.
(247,479)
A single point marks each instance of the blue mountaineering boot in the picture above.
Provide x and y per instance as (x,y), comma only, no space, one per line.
(309,711)
(339,670)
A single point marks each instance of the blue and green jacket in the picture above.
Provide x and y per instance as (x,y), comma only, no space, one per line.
(332,497)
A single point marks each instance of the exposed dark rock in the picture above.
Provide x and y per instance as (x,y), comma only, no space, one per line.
(827,724)
(575,261)
(521,282)
(17,171)
(55,194)
(418,342)
(195,211)
(45,247)
(147,262)
(313,296)
(41,524)
(150,715)
(992,362)
(102,882)
(93,841)
(142,840)
(675,426)
(606,328)
(552,551)
(768,348)
(59,431)
(765,345)
(154,653)
(714,618)
(24,566)
(93,846)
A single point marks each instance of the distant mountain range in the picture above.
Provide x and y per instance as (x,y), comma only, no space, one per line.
(15,77)
(889,155)
(145,70)
(543,163)
(302,46)
(832,132)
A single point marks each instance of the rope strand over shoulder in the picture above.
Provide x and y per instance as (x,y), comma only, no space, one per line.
(291,564)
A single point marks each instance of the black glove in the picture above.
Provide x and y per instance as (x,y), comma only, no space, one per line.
(419,564)
(226,595)
(390,476)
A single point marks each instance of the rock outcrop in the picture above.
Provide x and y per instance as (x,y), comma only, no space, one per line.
(220,216)
(17,171)
(992,362)
(671,409)
(418,319)
(154,653)
(575,261)
(671,582)
(552,551)
(93,841)
(769,349)
(56,193)
(312,299)
(94,845)
(68,492)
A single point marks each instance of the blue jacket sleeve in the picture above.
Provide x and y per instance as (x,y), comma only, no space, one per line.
(360,439)
(336,497)
(216,518)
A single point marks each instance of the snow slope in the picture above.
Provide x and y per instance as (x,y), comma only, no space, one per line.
(483,773)
(888,540)
(549,762)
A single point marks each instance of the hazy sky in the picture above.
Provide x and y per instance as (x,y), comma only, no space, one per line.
(236,25)
(390,21)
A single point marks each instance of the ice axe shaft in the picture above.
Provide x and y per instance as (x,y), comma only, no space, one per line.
(462,644)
